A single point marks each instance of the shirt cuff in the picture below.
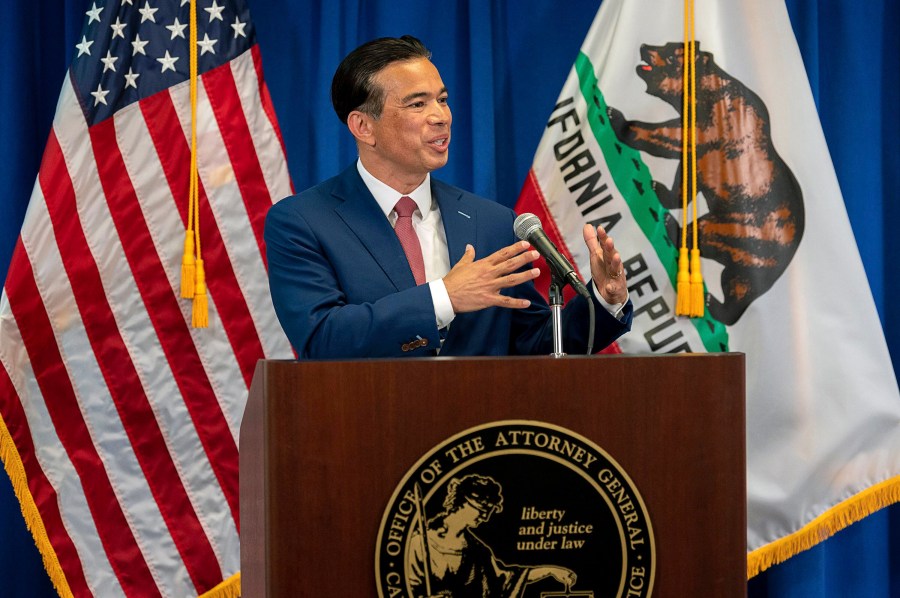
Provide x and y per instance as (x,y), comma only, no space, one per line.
(443,309)
(613,308)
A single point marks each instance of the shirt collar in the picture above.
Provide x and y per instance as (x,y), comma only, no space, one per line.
(387,197)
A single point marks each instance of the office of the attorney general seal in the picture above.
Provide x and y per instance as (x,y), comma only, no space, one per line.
(515,509)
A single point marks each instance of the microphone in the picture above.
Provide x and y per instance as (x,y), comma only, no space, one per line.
(528,228)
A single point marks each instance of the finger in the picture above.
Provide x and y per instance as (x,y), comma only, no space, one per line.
(517,262)
(510,251)
(510,302)
(614,267)
(590,238)
(518,278)
(468,256)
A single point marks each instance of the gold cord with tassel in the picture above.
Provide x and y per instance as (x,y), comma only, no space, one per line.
(193,277)
(698,298)
(683,289)
(690,294)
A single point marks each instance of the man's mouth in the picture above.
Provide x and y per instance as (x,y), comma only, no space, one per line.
(440,142)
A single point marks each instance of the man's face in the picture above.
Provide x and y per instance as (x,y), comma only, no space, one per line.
(412,136)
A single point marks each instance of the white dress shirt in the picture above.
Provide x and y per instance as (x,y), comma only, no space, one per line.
(429,228)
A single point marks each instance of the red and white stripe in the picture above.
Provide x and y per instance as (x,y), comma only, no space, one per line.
(125,417)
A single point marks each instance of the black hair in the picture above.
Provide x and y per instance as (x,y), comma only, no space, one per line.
(353,86)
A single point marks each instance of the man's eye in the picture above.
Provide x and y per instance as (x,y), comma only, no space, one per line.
(417,104)
(443,100)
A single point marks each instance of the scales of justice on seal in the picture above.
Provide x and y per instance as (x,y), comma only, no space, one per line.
(589,476)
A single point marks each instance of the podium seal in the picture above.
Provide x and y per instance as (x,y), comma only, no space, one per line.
(515,509)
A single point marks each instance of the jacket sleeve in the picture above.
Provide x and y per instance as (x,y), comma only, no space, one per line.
(314,312)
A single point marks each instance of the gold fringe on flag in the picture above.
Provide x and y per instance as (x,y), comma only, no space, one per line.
(690,295)
(825,525)
(193,278)
(12,461)
(230,588)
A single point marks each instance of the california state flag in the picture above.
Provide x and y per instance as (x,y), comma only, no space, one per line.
(783,278)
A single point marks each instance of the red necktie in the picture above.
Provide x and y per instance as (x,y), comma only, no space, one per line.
(408,238)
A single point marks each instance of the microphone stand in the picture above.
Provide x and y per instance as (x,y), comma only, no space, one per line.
(556,303)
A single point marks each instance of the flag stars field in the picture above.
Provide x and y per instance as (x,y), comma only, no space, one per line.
(116,48)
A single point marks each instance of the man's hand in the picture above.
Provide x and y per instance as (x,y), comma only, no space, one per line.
(606,265)
(476,284)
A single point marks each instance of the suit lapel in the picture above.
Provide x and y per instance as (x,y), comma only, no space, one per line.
(458,217)
(362,215)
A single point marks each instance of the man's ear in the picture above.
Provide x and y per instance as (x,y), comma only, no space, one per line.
(360,125)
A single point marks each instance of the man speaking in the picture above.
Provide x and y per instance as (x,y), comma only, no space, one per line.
(385,261)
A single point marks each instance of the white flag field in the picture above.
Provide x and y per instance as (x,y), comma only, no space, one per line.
(784,281)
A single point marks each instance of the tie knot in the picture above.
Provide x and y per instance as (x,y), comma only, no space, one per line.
(405,207)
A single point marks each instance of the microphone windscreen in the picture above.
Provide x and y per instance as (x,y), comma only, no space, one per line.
(526,224)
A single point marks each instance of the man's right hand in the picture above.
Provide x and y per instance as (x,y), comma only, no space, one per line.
(476,284)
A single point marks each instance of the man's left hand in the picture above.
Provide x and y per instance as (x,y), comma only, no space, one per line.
(606,265)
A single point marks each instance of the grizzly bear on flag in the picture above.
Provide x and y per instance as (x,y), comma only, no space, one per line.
(756,216)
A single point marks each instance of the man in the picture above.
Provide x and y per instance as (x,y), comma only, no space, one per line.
(344,284)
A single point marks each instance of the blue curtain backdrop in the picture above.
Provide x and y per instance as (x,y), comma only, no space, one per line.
(504,62)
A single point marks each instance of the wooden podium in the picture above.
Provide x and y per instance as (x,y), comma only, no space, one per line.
(324,444)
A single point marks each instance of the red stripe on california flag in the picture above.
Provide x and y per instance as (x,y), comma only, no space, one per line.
(267,106)
(531,199)
(125,386)
(231,305)
(113,530)
(221,89)
(45,498)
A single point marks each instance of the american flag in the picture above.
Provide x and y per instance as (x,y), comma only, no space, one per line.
(119,421)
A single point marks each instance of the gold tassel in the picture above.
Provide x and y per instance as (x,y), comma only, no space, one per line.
(698,299)
(188,266)
(683,303)
(200,307)
(197,282)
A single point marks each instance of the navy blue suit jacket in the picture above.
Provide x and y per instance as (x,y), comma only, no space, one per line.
(342,287)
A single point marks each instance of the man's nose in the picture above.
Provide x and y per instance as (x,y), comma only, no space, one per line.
(439,114)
